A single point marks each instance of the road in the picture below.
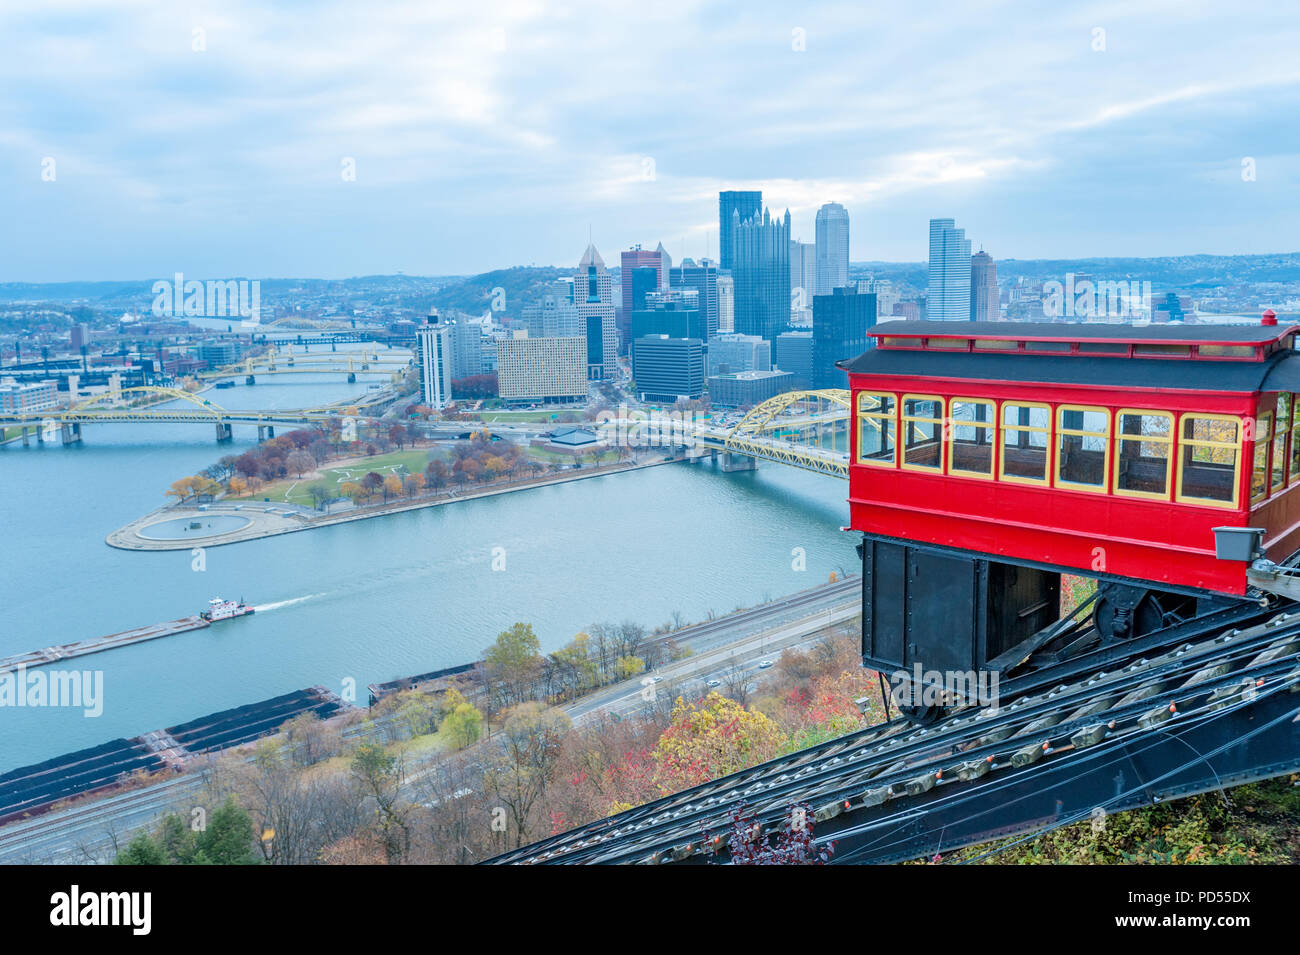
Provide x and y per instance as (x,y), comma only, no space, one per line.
(87,832)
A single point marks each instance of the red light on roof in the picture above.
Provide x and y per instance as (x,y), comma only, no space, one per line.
(1270,317)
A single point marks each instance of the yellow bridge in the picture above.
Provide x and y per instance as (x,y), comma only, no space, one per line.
(352,364)
(135,405)
(804,429)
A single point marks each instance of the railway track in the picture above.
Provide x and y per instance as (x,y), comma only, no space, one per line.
(1214,709)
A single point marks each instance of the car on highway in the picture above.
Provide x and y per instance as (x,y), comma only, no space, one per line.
(764,664)
(714,684)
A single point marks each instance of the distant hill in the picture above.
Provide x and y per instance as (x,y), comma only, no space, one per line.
(524,284)
(1181,272)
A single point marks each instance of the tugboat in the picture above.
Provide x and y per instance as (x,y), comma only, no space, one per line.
(219,609)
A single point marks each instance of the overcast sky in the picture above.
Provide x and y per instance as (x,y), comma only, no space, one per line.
(491,134)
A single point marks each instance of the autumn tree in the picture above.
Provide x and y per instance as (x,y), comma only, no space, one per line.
(713,739)
(462,723)
(513,661)
(300,462)
(528,750)
(380,777)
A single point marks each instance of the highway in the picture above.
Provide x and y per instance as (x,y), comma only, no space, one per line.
(88,831)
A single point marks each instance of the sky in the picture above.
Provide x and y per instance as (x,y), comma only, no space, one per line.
(333,139)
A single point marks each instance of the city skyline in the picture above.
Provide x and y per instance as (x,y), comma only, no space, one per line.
(243,157)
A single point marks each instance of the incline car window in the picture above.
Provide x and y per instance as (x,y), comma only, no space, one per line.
(1259,467)
(971,427)
(1143,460)
(875,429)
(1281,431)
(922,431)
(1209,459)
(1025,430)
(1082,447)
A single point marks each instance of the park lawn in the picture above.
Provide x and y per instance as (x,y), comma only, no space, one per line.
(293,490)
(545,454)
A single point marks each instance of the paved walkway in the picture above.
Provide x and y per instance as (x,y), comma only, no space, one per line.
(267,519)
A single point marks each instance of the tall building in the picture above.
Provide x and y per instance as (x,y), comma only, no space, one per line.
(635,282)
(832,248)
(761,271)
(594,300)
(730,354)
(434,345)
(748,388)
(803,273)
(666,264)
(793,352)
(726,303)
(546,370)
(703,278)
(666,368)
(984,303)
(79,338)
(840,323)
(734,207)
(674,312)
(949,290)
(555,316)
(886,294)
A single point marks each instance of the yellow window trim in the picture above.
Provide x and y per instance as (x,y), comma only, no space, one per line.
(1003,428)
(1282,429)
(905,418)
(1167,442)
(1293,463)
(876,417)
(1062,432)
(991,424)
(1234,446)
(1264,439)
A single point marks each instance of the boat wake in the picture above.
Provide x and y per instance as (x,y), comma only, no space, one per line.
(262,608)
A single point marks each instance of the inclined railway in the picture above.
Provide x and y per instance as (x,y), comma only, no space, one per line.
(1216,708)
(986,461)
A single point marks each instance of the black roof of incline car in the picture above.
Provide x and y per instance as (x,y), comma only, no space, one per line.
(1243,334)
(1277,372)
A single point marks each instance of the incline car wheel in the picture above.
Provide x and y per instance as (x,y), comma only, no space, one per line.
(922,715)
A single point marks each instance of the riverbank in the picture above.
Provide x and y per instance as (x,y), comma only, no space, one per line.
(269,519)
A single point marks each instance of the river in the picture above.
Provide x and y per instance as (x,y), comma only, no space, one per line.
(370,600)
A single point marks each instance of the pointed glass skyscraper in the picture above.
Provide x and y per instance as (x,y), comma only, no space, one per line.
(761,270)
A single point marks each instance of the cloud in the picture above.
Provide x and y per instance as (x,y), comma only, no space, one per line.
(492,134)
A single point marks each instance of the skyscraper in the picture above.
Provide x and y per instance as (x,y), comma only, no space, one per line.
(734,206)
(803,273)
(673,312)
(983,288)
(726,303)
(949,292)
(832,248)
(704,279)
(761,270)
(840,323)
(594,300)
(433,342)
(631,260)
(665,264)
